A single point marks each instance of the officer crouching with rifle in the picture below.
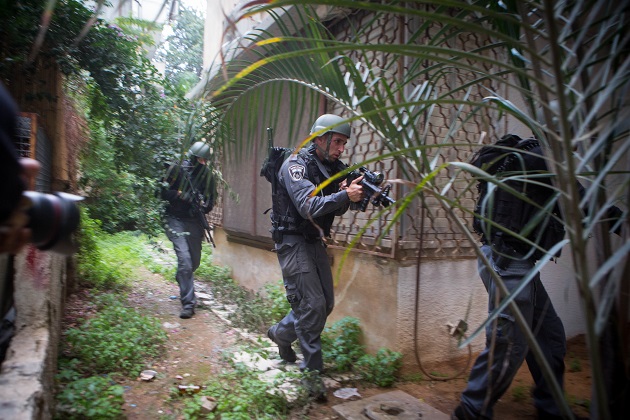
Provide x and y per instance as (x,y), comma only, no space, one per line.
(190,190)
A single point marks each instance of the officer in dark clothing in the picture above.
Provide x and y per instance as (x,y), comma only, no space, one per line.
(190,189)
(512,259)
(538,219)
(299,226)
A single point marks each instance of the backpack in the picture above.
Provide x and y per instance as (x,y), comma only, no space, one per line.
(273,162)
(508,210)
(269,169)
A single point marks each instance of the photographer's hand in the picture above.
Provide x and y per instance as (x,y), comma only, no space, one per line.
(14,233)
(355,190)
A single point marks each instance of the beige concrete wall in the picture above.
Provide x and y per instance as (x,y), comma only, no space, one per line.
(447,291)
(251,267)
(26,378)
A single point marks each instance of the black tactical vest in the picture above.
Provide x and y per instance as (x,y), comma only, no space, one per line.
(285,219)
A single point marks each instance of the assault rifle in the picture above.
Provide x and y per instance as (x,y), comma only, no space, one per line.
(197,205)
(371,184)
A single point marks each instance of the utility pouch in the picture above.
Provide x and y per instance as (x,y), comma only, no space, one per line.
(276,235)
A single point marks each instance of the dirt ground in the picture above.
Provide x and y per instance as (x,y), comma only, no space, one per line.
(195,347)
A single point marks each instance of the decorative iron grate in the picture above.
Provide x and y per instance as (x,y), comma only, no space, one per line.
(32,142)
(426,227)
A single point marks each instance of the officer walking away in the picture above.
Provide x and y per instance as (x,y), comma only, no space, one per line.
(190,190)
(299,223)
(513,259)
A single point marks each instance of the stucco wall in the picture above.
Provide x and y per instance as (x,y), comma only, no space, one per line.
(448,291)
(251,267)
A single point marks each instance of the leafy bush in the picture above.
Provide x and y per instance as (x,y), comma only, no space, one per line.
(120,199)
(117,339)
(341,345)
(96,397)
(343,352)
(380,369)
(107,261)
(95,268)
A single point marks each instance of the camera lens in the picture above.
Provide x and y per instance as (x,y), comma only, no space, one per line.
(54,219)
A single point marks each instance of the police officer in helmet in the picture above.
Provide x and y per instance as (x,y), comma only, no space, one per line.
(300,223)
(188,187)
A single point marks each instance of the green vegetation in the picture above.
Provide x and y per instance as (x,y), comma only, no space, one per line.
(341,345)
(241,395)
(137,119)
(95,397)
(183,50)
(343,352)
(380,369)
(116,341)
(575,365)
(520,393)
(106,261)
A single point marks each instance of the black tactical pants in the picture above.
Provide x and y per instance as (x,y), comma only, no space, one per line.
(186,235)
(506,345)
(308,283)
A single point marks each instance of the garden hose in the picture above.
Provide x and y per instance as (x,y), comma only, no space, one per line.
(417,305)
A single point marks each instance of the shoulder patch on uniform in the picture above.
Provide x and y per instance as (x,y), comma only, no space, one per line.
(297,172)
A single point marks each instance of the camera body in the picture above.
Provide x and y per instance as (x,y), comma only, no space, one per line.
(371,184)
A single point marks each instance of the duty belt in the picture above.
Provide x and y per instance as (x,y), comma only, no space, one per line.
(311,239)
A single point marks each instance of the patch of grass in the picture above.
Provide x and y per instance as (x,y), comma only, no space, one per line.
(107,261)
(240,395)
(439,374)
(117,339)
(575,365)
(93,266)
(94,397)
(520,393)
(413,377)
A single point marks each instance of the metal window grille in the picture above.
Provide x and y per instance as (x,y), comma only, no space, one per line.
(31,142)
(426,228)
